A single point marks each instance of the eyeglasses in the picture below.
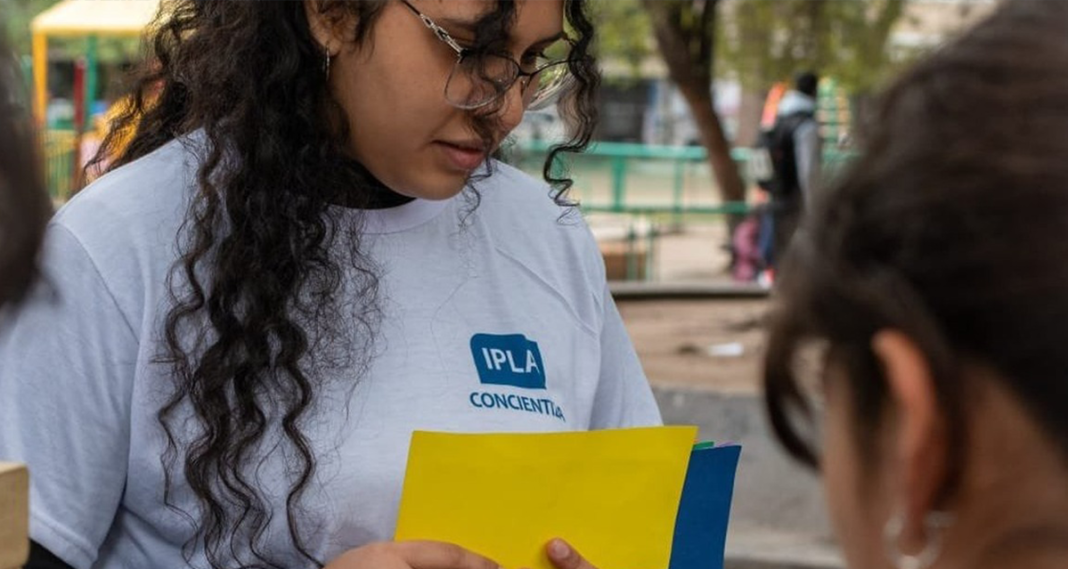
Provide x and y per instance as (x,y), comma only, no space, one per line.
(480,78)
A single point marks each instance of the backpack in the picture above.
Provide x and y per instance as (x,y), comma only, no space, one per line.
(773,163)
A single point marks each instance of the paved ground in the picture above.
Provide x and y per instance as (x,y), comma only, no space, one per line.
(778,520)
(703,359)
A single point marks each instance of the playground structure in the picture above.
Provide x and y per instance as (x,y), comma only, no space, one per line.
(92,20)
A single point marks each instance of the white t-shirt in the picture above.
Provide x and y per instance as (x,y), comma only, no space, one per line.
(492,320)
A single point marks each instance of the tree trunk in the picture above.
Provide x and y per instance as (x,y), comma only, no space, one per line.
(688,51)
(816,25)
(754,40)
(749,115)
(714,140)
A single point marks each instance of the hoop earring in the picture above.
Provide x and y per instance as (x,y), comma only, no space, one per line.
(326,63)
(935,524)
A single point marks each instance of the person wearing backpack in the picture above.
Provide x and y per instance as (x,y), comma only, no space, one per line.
(790,154)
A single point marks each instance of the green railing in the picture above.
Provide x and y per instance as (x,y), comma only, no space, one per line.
(621,156)
(642,235)
(60,166)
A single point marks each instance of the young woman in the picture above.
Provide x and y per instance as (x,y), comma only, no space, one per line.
(305,253)
(932,281)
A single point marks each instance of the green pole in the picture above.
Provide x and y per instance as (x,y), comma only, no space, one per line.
(90,79)
(619,176)
(632,252)
(26,62)
(650,249)
(680,166)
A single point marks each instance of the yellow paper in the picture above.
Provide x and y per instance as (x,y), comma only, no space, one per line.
(612,494)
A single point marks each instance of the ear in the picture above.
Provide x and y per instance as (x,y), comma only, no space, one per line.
(919,437)
(323,26)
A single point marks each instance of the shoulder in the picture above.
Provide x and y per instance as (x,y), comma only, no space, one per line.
(147,196)
(124,227)
(513,199)
(508,186)
(525,224)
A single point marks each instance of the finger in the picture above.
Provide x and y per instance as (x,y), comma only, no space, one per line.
(564,556)
(438,555)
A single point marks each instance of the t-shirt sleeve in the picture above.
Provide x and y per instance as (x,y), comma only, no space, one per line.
(41,558)
(67,362)
(624,398)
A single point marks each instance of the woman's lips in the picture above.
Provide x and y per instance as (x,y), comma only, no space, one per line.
(462,155)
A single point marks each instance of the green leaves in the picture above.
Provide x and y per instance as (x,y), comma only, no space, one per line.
(764,41)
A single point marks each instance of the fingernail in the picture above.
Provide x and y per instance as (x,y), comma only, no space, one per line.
(558,549)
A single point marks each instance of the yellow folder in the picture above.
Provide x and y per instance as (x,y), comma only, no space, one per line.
(612,494)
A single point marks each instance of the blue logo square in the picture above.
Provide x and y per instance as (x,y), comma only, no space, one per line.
(508,360)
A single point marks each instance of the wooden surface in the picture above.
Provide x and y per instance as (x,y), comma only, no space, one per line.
(14,515)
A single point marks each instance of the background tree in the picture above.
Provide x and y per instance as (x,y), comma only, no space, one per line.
(685,32)
(762,42)
(624,34)
(757,42)
(15,18)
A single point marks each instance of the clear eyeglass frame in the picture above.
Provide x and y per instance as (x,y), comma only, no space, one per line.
(479,79)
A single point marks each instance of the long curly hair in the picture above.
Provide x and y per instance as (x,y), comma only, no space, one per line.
(256,286)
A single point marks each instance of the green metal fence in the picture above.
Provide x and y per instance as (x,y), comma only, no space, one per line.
(621,160)
(60,164)
(678,165)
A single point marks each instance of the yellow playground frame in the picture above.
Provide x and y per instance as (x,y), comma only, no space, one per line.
(84,18)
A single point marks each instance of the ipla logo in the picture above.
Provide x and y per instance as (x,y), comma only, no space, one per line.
(508,360)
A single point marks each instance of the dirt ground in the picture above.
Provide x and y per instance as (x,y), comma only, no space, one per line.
(698,344)
(711,344)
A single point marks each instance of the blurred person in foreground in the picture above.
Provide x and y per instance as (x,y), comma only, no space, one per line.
(24,206)
(930,284)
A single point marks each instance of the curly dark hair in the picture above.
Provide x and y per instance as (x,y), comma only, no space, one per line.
(949,228)
(24,205)
(256,289)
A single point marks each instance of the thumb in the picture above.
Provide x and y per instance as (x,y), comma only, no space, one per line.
(563,556)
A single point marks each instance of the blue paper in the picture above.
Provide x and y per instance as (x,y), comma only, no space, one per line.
(701,525)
